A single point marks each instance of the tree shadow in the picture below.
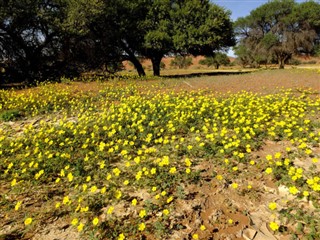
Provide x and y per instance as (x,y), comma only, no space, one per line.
(216,73)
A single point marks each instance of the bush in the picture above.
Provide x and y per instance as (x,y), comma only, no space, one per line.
(294,62)
(181,62)
(310,62)
(162,65)
(217,60)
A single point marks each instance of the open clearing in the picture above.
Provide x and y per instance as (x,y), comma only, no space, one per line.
(206,157)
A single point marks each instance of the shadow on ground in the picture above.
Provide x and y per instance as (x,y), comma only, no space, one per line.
(190,75)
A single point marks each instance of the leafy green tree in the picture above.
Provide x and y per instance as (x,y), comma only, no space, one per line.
(41,39)
(276,31)
(217,60)
(154,28)
(201,27)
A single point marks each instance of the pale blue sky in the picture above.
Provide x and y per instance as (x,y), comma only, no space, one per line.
(239,8)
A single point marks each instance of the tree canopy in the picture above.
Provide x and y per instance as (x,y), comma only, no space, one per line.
(277,30)
(41,39)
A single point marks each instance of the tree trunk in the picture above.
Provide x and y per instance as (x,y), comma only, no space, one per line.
(132,58)
(156,60)
(137,65)
(281,63)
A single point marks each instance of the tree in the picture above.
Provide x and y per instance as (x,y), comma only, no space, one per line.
(158,35)
(276,31)
(95,34)
(42,39)
(217,60)
(201,27)
(29,38)
(154,28)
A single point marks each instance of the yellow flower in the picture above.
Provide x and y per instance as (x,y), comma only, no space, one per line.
(153,171)
(74,221)
(272,205)
(142,213)
(163,193)
(274,226)
(269,157)
(134,202)
(18,205)
(116,171)
(187,162)
(95,221)
(293,190)
(202,228)
(13,182)
(234,185)
(103,190)
(70,177)
(170,199)
(195,236)
(66,200)
(142,226)
(27,221)
(154,189)
(252,162)
(230,221)
(173,170)
(188,170)
(80,227)
(93,189)
(219,177)
(166,211)
(118,194)
(268,170)
(277,155)
(110,210)
(121,236)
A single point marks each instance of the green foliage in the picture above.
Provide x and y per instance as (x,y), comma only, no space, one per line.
(162,65)
(10,115)
(217,60)
(48,39)
(317,50)
(181,62)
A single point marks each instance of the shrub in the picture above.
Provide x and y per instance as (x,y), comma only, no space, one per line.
(181,62)
(217,60)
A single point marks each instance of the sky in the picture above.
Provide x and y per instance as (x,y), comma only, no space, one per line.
(239,8)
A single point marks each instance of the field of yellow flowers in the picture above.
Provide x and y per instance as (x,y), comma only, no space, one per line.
(134,162)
